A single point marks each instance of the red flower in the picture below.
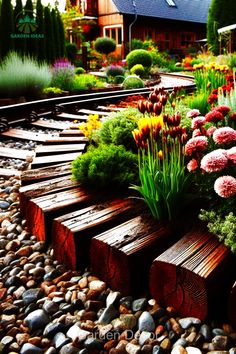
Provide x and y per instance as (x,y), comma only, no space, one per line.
(198,122)
(213,97)
(231,154)
(233,116)
(214,116)
(193,113)
(192,165)
(225,186)
(223,109)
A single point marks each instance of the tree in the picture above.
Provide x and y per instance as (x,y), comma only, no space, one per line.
(6,28)
(31,46)
(49,40)
(20,43)
(221,13)
(61,32)
(56,34)
(41,30)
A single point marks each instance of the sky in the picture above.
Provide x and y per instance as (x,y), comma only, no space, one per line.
(51,2)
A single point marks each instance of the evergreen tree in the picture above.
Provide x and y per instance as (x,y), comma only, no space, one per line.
(55,33)
(41,30)
(61,33)
(6,28)
(49,40)
(31,47)
(20,43)
(221,13)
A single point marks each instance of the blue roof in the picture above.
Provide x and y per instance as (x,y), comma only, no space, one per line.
(180,10)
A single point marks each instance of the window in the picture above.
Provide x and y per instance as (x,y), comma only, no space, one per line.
(114,33)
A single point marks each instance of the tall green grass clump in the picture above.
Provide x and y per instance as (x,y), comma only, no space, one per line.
(23,76)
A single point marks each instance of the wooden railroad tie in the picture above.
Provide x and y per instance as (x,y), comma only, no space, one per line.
(72,233)
(43,150)
(45,173)
(122,256)
(42,210)
(12,153)
(42,161)
(194,275)
(39,189)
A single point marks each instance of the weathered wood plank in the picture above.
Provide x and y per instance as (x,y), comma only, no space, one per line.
(45,150)
(44,173)
(46,124)
(90,111)
(127,252)
(41,137)
(16,153)
(8,172)
(71,132)
(42,210)
(186,276)
(72,233)
(73,117)
(43,161)
(37,189)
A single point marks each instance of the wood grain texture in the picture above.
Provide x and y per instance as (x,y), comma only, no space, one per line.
(186,276)
(72,233)
(122,256)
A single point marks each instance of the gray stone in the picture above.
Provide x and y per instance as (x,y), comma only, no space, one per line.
(193,350)
(37,319)
(220,342)
(146,322)
(7,340)
(139,304)
(51,350)
(205,330)
(178,349)
(187,322)
(4,205)
(69,349)
(133,348)
(50,307)
(218,332)
(112,298)
(108,315)
(93,343)
(232,351)
(76,333)
(59,340)
(144,337)
(28,348)
(32,295)
(52,328)
(157,350)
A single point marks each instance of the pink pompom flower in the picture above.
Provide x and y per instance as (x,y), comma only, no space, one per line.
(198,122)
(225,186)
(192,165)
(215,161)
(196,132)
(193,113)
(224,135)
(196,145)
(211,130)
(231,154)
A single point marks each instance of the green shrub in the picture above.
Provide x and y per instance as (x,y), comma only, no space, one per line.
(52,91)
(131,82)
(106,166)
(138,69)
(232,61)
(119,79)
(105,45)
(23,76)
(86,82)
(79,70)
(115,70)
(118,128)
(139,56)
(71,51)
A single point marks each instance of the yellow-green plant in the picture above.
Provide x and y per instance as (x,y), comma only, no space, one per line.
(209,76)
(163,179)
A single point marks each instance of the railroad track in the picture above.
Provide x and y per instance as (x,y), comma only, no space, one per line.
(80,225)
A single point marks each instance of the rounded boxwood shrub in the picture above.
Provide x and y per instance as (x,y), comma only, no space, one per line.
(115,70)
(138,69)
(106,166)
(133,81)
(139,56)
(105,45)
(79,70)
(118,128)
